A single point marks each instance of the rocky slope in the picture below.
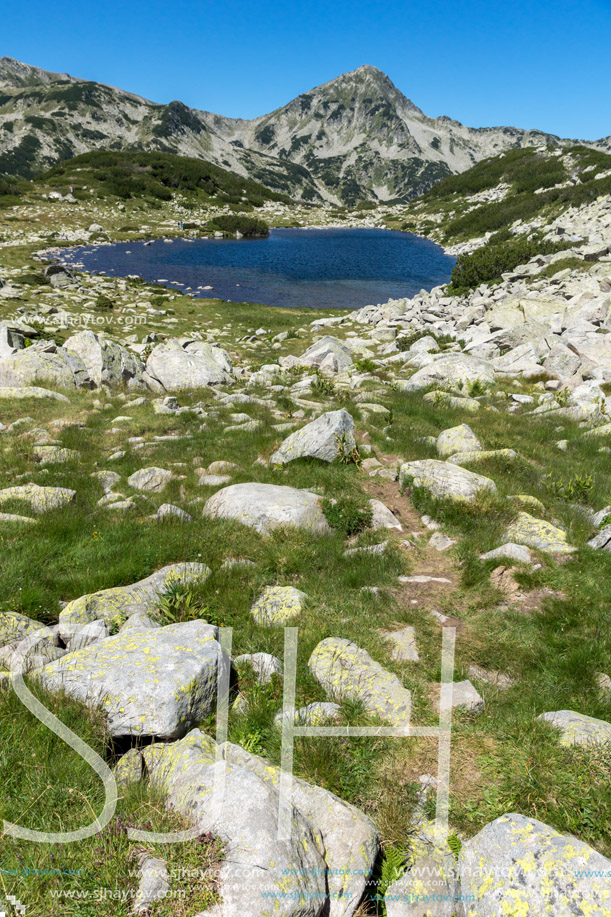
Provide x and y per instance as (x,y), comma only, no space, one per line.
(387,480)
(356,137)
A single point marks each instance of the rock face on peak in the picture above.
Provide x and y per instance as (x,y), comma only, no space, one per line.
(355,137)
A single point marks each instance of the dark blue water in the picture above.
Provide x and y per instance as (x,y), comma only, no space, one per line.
(315,268)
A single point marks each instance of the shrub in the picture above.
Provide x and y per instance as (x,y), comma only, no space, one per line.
(494,259)
(232,223)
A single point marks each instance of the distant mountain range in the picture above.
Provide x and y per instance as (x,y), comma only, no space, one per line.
(354,138)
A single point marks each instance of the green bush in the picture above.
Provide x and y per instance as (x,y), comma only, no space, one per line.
(232,223)
(492,260)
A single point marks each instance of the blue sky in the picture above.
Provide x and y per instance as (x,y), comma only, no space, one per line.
(529,64)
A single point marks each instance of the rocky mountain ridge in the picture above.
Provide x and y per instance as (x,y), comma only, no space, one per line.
(356,137)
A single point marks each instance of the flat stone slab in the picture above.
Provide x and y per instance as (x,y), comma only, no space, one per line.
(518,865)
(445,480)
(324,438)
(537,533)
(117,604)
(278,605)
(49,455)
(578,729)
(40,499)
(265,507)
(157,682)
(346,671)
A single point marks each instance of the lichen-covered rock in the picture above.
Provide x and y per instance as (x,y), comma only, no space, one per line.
(322,439)
(537,533)
(268,506)
(49,455)
(260,872)
(117,604)
(106,362)
(31,366)
(518,865)
(40,499)
(445,480)
(278,605)
(183,363)
(346,671)
(578,729)
(345,836)
(457,439)
(147,683)
(151,479)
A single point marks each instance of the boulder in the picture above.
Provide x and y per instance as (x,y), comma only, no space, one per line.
(106,362)
(32,366)
(578,729)
(265,507)
(277,605)
(345,836)
(457,439)
(329,355)
(116,605)
(537,533)
(518,865)
(445,480)
(260,872)
(324,438)
(182,363)
(147,683)
(346,671)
